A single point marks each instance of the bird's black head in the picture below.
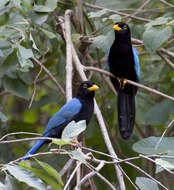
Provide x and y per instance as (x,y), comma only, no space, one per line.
(122,30)
(87,90)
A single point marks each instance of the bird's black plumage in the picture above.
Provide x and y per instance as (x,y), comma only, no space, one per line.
(79,108)
(122,64)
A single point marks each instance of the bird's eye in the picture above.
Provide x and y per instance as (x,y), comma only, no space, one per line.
(85,86)
(124,27)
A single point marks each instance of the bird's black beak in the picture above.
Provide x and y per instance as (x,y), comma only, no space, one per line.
(116,27)
(93,88)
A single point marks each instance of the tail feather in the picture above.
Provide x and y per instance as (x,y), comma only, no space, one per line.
(35,148)
(126,113)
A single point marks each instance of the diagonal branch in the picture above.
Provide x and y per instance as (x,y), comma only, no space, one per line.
(69,67)
(130,82)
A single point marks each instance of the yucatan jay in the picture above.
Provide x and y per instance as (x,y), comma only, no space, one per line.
(123,62)
(78,108)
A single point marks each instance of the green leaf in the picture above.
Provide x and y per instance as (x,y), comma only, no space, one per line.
(34,44)
(49,34)
(12,183)
(76,37)
(48,7)
(115,18)
(145,183)
(26,5)
(15,87)
(60,142)
(26,176)
(3,118)
(2,186)
(164,163)
(42,175)
(158,21)
(104,41)
(3,2)
(73,129)
(97,13)
(159,113)
(25,77)
(154,37)
(25,53)
(51,171)
(17,3)
(77,155)
(147,145)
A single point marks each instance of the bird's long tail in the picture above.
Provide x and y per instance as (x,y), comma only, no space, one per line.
(34,148)
(126,113)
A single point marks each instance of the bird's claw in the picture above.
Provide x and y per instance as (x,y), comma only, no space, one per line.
(75,141)
(122,82)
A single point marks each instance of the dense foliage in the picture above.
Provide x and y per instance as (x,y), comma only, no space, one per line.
(33,56)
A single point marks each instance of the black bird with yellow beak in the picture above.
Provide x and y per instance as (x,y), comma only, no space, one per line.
(123,62)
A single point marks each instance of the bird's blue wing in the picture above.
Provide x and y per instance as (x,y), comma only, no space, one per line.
(66,113)
(108,68)
(136,60)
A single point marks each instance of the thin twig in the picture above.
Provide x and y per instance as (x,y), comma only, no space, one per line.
(86,177)
(168,126)
(116,12)
(34,91)
(18,133)
(128,178)
(66,167)
(150,159)
(71,176)
(148,175)
(139,9)
(49,74)
(166,3)
(166,59)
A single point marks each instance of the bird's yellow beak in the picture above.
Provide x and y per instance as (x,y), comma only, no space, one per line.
(93,88)
(116,27)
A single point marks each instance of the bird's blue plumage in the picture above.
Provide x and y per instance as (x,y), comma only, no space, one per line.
(136,61)
(65,114)
(108,59)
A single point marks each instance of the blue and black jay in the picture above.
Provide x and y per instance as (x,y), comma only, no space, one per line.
(123,62)
(78,108)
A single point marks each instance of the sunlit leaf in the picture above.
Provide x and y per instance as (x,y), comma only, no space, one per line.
(73,129)
(164,163)
(26,176)
(12,183)
(77,155)
(145,183)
